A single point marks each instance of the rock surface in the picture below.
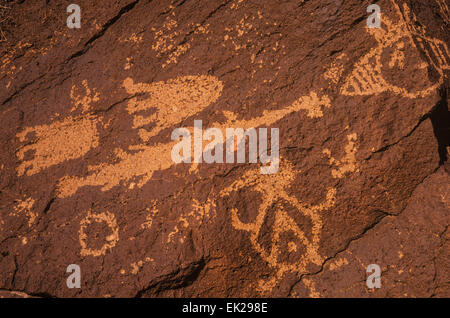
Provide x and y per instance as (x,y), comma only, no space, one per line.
(87,177)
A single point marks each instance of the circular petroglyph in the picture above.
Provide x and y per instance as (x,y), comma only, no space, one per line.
(110,240)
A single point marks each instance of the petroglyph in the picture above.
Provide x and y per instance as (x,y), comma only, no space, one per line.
(309,283)
(25,207)
(136,266)
(284,225)
(165,42)
(5,66)
(242,28)
(312,104)
(168,41)
(444,10)
(111,240)
(235,4)
(134,38)
(348,162)
(367,76)
(274,191)
(53,144)
(338,263)
(436,51)
(140,165)
(198,213)
(152,212)
(83,101)
(246,39)
(334,71)
(9,69)
(172,101)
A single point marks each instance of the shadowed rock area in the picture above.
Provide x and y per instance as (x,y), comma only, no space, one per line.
(87,174)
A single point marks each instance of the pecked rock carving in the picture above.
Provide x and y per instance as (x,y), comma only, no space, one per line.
(87,175)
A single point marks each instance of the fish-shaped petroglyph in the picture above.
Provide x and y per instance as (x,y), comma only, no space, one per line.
(172,102)
(155,107)
(367,76)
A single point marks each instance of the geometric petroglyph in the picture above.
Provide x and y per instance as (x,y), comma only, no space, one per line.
(111,239)
(274,191)
(367,76)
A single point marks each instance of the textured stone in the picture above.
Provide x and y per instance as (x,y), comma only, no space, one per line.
(86,175)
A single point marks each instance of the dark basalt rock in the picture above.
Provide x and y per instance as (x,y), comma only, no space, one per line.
(87,178)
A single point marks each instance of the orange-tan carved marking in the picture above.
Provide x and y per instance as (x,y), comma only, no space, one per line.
(165,41)
(348,162)
(444,10)
(367,76)
(338,263)
(334,71)
(55,143)
(190,95)
(310,284)
(25,207)
(173,101)
(150,216)
(195,216)
(111,240)
(83,101)
(274,190)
